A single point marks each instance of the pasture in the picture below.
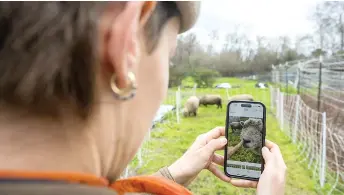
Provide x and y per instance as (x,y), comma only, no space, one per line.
(169,140)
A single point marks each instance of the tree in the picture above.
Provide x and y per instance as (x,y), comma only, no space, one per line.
(205,77)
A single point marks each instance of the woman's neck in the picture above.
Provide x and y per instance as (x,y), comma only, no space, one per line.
(26,144)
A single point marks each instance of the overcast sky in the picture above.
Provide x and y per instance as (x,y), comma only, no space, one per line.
(270,18)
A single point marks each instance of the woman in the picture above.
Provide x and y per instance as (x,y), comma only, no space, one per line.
(80,83)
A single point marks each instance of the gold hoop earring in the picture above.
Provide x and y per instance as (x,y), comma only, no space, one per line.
(126,93)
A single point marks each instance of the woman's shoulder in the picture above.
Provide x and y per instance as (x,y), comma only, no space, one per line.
(53,188)
(144,184)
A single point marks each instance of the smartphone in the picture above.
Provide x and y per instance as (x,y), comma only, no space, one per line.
(245,132)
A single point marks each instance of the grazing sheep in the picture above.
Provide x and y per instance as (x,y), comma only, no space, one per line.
(261,85)
(236,126)
(191,106)
(246,97)
(211,100)
(251,135)
(232,149)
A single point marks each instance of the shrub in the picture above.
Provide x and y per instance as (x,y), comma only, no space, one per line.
(176,76)
(205,77)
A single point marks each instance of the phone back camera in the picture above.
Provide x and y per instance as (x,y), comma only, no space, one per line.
(246,105)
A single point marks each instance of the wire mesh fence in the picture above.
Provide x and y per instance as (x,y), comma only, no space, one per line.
(311,113)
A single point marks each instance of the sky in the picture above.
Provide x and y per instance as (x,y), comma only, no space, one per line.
(269,18)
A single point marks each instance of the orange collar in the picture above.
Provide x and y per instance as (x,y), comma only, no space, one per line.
(139,184)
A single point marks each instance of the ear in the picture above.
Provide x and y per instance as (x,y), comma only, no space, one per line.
(260,125)
(242,123)
(121,42)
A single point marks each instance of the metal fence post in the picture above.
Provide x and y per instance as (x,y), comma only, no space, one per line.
(178,104)
(139,154)
(271,98)
(194,89)
(320,82)
(323,156)
(286,78)
(282,110)
(278,105)
(296,121)
(126,174)
(297,78)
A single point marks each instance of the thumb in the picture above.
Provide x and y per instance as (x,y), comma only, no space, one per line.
(215,144)
(267,155)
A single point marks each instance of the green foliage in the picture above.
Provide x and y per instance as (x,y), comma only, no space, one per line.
(176,76)
(205,77)
(318,52)
(340,52)
(188,82)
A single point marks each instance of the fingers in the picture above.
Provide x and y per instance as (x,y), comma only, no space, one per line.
(271,146)
(218,173)
(244,183)
(213,145)
(214,133)
(266,154)
(218,159)
(274,151)
(274,148)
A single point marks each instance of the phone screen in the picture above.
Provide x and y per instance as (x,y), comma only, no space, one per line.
(245,131)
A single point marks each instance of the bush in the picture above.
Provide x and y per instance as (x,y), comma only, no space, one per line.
(188,82)
(176,76)
(205,77)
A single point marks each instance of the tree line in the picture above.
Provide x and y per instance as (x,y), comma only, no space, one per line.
(241,56)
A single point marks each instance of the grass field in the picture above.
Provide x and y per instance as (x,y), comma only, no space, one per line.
(170,140)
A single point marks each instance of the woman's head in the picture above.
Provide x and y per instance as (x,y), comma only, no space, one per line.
(57,61)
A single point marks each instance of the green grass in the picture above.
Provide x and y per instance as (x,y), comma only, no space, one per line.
(170,140)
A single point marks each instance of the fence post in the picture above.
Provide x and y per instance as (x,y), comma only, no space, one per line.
(178,104)
(126,174)
(296,121)
(297,78)
(149,133)
(194,89)
(281,110)
(227,93)
(323,156)
(271,98)
(139,154)
(277,101)
(320,82)
(286,77)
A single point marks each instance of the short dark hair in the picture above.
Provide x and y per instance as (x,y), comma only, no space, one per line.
(48,51)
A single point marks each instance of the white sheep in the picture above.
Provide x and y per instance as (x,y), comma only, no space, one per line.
(191,106)
(246,97)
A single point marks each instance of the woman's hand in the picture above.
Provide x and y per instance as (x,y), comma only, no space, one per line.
(272,180)
(201,155)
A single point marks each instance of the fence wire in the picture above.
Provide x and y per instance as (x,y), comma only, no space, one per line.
(311,89)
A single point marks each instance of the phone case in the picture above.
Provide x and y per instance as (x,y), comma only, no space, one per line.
(263,139)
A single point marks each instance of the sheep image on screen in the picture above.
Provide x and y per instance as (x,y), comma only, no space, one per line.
(251,135)
(236,126)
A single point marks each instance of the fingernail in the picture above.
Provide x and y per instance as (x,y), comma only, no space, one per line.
(224,140)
